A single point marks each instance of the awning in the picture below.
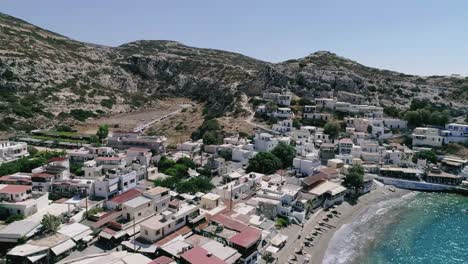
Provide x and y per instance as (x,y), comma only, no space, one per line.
(65,246)
(105,235)
(36,257)
(272,249)
(82,235)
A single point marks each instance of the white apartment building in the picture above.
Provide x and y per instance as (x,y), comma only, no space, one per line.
(279,98)
(236,188)
(161,225)
(85,154)
(306,165)
(283,112)
(18,199)
(137,208)
(160,197)
(455,133)
(283,126)
(426,136)
(265,142)
(243,153)
(115,182)
(10,151)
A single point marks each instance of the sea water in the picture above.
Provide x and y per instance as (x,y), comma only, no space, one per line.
(416,228)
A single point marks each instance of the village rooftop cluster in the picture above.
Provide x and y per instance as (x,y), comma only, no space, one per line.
(199,203)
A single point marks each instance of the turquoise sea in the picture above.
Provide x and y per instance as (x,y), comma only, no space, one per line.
(418,228)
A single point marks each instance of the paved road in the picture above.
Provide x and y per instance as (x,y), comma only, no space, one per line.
(293,241)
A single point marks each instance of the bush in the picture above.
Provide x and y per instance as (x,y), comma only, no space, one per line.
(281,222)
(13,218)
(81,115)
(108,103)
(264,162)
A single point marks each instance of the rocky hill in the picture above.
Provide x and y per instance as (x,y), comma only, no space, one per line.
(46,78)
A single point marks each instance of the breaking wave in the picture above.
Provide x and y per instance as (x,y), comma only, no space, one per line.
(351,240)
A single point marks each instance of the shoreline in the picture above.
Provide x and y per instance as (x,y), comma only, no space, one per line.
(348,213)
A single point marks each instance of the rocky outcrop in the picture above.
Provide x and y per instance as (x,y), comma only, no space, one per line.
(44,76)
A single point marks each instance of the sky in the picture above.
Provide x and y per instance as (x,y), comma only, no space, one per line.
(422,37)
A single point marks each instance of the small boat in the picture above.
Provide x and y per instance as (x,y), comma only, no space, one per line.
(391,189)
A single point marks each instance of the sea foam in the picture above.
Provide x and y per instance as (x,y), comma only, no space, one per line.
(350,240)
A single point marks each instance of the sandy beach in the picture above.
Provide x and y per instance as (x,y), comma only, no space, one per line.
(347,214)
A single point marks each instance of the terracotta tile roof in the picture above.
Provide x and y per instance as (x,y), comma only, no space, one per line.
(15,189)
(229,222)
(10,178)
(329,170)
(313,179)
(247,237)
(58,159)
(184,230)
(106,219)
(126,196)
(199,255)
(346,141)
(43,175)
(161,260)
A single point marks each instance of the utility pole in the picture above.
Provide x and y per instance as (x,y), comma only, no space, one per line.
(134,234)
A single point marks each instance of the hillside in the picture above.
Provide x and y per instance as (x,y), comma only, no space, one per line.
(47,78)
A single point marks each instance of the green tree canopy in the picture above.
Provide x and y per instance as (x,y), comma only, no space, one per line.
(428,155)
(332,129)
(355,177)
(103,132)
(165,163)
(286,153)
(264,162)
(188,162)
(50,223)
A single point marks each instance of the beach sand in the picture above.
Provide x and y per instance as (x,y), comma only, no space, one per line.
(347,213)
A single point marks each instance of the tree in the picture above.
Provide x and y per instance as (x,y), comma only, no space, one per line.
(264,162)
(50,223)
(428,155)
(165,163)
(225,154)
(268,257)
(103,132)
(332,129)
(286,153)
(195,184)
(413,118)
(355,177)
(210,138)
(188,162)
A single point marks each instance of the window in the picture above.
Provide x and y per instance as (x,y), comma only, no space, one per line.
(139,214)
(149,204)
(158,232)
(146,232)
(132,181)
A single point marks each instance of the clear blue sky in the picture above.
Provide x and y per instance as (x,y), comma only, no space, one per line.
(419,37)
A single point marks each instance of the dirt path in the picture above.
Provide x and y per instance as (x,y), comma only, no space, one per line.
(250,118)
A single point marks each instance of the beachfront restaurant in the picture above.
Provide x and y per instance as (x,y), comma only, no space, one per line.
(441,177)
(401,173)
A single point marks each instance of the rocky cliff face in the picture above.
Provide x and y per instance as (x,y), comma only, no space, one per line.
(47,78)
